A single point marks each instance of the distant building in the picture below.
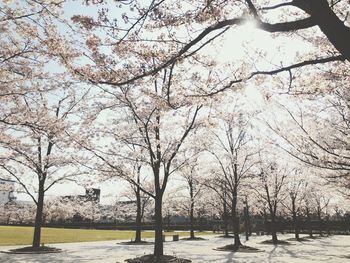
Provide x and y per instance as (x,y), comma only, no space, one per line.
(7,191)
(91,194)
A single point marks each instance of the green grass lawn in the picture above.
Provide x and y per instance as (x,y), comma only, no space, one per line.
(18,235)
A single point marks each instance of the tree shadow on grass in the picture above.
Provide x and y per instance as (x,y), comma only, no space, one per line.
(322,252)
(230,258)
(193,239)
(224,236)
(133,243)
(162,259)
(271,254)
(33,250)
(302,239)
(241,248)
(41,258)
(304,255)
(279,242)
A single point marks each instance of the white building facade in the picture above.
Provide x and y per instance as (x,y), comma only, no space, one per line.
(7,188)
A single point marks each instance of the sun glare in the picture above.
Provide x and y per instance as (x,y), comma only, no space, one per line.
(248,41)
(239,39)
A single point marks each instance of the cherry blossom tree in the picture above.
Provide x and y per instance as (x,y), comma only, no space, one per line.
(33,111)
(308,212)
(321,201)
(59,210)
(234,154)
(272,182)
(123,159)
(161,162)
(143,201)
(30,42)
(35,145)
(194,187)
(145,118)
(217,205)
(170,209)
(295,188)
(183,36)
(17,213)
(151,67)
(319,137)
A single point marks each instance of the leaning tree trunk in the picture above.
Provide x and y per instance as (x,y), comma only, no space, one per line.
(158,242)
(39,216)
(330,24)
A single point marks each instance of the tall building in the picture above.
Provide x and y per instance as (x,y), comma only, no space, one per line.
(7,188)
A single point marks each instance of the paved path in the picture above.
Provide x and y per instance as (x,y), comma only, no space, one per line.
(333,249)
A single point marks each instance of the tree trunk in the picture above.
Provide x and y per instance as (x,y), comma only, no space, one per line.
(295,220)
(320,223)
(246,223)
(235,221)
(309,222)
(273,229)
(158,242)
(237,241)
(335,30)
(247,226)
(225,217)
(328,226)
(39,216)
(192,221)
(266,228)
(310,232)
(168,222)
(296,227)
(191,211)
(138,216)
